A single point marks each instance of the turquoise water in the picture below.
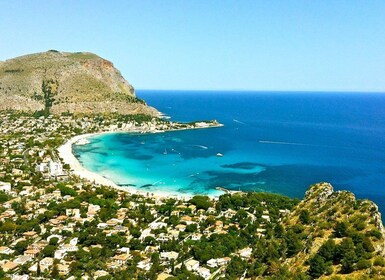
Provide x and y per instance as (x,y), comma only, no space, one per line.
(276,142)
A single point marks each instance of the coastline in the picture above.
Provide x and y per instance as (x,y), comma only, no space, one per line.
(66,154)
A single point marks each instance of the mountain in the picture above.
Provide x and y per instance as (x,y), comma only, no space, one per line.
(61,82)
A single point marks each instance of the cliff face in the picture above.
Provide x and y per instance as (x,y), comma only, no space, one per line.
(79,83)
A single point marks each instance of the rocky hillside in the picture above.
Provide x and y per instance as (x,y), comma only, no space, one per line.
(67,82)
(340,235)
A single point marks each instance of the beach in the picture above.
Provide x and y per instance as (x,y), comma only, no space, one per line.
(67,156)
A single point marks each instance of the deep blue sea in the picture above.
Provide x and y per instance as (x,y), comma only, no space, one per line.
(279,142)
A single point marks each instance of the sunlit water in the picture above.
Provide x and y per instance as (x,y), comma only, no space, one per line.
(275,142)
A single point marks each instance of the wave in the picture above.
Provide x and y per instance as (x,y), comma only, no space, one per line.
(200,146)
(239,122)
(284,143)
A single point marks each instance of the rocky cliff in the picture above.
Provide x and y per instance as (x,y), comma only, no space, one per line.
(334,224)
(67,82)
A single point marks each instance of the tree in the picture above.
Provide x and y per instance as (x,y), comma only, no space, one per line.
(201,202)
(341,229)
(367,244)
(328,250)
(294,244)
(53,241)
(317,267)
(236,267)
(21,246)
(304,217)
(49,89)
(55,271)
(49,250)
(347,254)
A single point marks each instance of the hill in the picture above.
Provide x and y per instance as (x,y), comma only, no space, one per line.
(60,82)
(336,234)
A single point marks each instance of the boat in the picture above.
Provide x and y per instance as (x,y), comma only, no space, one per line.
(219,155)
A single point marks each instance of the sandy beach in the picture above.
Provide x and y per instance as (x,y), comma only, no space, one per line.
(65,152)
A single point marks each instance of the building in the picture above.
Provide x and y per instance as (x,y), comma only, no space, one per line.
(5,187)
(55,168)
(192,265)
(204,272)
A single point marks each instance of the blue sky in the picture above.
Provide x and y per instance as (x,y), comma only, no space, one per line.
(215,44)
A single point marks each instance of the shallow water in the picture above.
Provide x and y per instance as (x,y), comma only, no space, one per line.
(276,142)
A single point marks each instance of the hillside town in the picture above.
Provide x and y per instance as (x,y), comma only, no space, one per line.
(54,225)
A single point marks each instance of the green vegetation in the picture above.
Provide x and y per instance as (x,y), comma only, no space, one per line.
(111,234)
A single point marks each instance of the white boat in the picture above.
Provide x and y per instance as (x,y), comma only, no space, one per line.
(219,155)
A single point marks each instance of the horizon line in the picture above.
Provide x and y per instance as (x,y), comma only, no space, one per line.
(269,90)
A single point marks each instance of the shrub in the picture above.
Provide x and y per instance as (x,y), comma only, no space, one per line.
(363,264)
(379,261)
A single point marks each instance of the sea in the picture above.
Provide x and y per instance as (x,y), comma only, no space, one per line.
(278,142)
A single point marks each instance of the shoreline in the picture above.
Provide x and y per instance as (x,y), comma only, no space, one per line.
(66,154)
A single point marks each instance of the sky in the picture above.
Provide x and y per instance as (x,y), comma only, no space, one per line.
(212,44)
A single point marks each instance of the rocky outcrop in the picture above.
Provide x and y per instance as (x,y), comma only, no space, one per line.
(85,83)
(323,210)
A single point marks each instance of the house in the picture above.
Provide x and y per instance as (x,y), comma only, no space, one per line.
(30,234)
(5,187)
(163,276)
(32,252)
(204,272)
(56,194)
(20,277)
(17,172)
(63,269)
(59,254)
(6,250)
(46,263)
(223,261)
(192,265)
(169,255)
(245,253)
(122,259)
(212,263)
(55,168)
(22,259)
(196,236)
(266,217)
(100,273)
(145,264)
(193,208)
(73,212)
(69,247)
(9,266)
(42,167)
(157,225)
(181,227)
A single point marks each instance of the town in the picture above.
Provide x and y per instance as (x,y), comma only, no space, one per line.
(55,225)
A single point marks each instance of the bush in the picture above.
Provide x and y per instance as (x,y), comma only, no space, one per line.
(341,229)
(304,217)
(379,261)
(201,202)
(376,233)
(363,264)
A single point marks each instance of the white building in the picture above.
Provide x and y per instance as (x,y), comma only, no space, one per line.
(55,168)
(192,265)
(5,187)
(204,272)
